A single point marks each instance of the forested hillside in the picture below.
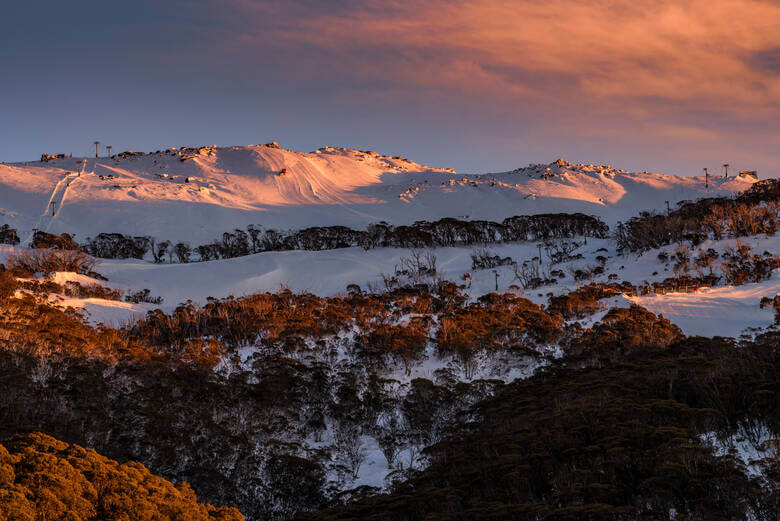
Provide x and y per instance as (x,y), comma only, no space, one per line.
(277,403)
(688,431)
(523,368)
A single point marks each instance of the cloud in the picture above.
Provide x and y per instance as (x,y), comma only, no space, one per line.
(716,52)
(496,76)
(687,132)
(652,76)
(766,60)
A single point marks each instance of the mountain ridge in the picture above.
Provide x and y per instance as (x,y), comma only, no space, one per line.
(198,193)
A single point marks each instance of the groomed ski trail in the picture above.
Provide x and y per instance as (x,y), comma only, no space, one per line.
(54,204)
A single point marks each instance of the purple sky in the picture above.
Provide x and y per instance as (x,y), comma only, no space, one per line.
(478,85)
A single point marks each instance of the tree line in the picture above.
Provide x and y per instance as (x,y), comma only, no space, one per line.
(255,239)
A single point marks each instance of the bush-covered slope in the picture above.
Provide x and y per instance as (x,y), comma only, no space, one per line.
(608,441)
(271,402)
(42,478)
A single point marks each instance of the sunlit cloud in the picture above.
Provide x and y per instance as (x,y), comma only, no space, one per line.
(716,52)
(521,78)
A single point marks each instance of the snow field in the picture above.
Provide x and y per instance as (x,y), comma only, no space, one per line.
(195,195)
(718,311)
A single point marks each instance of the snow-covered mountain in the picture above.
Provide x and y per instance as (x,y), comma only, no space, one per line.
(195,194)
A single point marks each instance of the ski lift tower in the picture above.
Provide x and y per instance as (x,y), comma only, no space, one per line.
(726,167)
(96,143)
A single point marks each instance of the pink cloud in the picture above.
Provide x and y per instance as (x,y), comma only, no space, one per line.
(664,71)
(697,50)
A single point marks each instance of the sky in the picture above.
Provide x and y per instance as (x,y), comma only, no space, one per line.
(476,85)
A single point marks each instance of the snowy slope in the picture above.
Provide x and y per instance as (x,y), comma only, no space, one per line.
(723,311)
(320,272)
(718,311)
(196,194)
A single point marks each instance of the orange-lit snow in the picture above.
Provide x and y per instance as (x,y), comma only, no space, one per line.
(219,189)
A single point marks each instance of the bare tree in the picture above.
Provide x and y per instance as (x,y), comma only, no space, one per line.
(418,265)
(350,447)
(682,256)
(529,275)
(46,260)
(560,250)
